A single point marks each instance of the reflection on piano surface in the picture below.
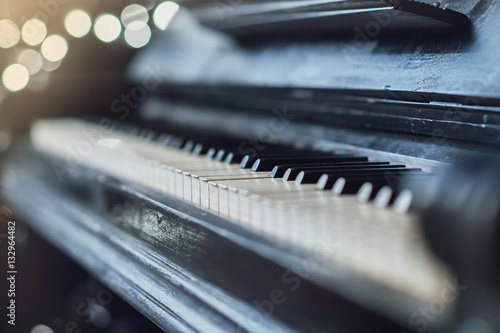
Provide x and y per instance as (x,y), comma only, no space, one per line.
(315,166)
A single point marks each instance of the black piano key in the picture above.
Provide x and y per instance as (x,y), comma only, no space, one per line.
(230,146)
(197,149)
(176,142)
(367,192)
(124,127)
(231,158)
(279,170)
(350,185)
(385,197)
(326,181)
(401,184)
(312,176)
(217,152)
(235,157)
(249,160)
(115,126)
(148,134)
(292,173)
(188,146)
(142,132)
(204,149)
(211,153)
(134,131)
(218,144)
(214,147)
(267,164)
(219,157)
(165,139)
(246,160)
(390,178)
(153,135)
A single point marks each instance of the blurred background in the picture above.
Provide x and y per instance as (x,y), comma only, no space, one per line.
(63,57)
(69,56)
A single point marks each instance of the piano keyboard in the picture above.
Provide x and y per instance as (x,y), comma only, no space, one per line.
(300,196)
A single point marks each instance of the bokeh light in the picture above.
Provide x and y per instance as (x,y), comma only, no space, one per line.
(133,13)
(15,77)
(50,66)
(54,48)
(137,34)
(164,13)
(9,33)
(30,59)
(107,28)
(41,329)
(34,31)
(78,23)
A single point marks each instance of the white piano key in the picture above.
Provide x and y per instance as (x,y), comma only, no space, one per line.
(223,199)
(234,203)
(179,183)
(187,185)
(213,194)
(195,190)
(204,193)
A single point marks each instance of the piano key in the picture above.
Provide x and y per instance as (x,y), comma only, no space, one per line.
(202,148)
(231,146)
(267,164)
(403,201)
(249,160)
(188,146)
(384,197)
(211,153)
(222,150)
(369,190)
(352,186)
(219,157)
(292,173)
(135,131)
(176,142)
(280,170)
(231,158)
(241,189)
(184,175)
(366,192)
(205,189)
(197,149)
(213,196)
(165,139)
(314,176)
(270,150)
(326,180)
(147,134)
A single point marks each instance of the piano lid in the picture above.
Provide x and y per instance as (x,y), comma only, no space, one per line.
(416,62)
(250,17)
(413,81)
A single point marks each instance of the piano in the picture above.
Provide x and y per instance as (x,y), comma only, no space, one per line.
(286,166)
